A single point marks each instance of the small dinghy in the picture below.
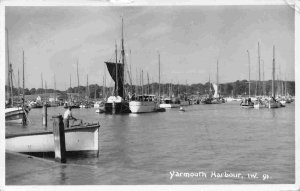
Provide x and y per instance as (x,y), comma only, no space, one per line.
(181,109)
(99,111)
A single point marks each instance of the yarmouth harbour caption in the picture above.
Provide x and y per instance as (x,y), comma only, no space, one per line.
(214,174)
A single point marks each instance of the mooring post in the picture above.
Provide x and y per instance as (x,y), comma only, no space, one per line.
(59,139)
(45,115)
(113,107)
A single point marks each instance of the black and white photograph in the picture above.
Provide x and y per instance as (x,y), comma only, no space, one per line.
(106,93)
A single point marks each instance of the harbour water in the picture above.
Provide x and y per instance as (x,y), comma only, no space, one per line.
(148,148)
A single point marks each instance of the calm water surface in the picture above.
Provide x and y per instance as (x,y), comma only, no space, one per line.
(145,148)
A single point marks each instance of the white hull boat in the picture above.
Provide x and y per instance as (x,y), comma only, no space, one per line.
(169,105)
(259,104)
(84,138)
(14,114)
(142,106)
(282,102)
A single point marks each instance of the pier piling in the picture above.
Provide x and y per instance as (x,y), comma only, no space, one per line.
(59,139)
(45,115)
(113,107)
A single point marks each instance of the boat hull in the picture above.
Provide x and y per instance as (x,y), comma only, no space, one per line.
(169,105)
(120,107)
(142,106)
(14,115)
(76,139)
(247,106)
(274,105)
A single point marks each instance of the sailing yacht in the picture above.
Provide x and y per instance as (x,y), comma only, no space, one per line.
(116,104)
(247,102)
(272,102)
(258,101)
(15,114)
(216,97)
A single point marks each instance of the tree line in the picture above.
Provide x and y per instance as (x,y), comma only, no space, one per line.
(234,89)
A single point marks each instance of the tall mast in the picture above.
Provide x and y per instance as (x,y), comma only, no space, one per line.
(148,88)
(87,87)
(258,89)
(18,84)
(117,87)
(54,89)
(218,77)
(142,83)
(264,88)
(77,79)
(70,83)
(131,90)
(152,86)
(8,67)
(273,73)
(23,81)
(249,70)
(11,85)
(104,82)
(45,86)
(158,76)
(285,86)
(123,58)
(137,82)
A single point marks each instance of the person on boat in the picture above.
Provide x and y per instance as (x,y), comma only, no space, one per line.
(67,116)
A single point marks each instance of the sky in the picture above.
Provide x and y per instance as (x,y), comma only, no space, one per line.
(190,40)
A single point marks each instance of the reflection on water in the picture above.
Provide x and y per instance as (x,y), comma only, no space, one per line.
(143,149)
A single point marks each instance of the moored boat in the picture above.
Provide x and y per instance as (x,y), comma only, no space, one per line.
(169,103)
(143,104)
(15,114)
(247,103)
(77,138)
(116,104)
(259,104)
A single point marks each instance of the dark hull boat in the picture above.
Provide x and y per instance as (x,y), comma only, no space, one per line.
(122,107)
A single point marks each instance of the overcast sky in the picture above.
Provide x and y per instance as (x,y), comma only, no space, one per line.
(190,40)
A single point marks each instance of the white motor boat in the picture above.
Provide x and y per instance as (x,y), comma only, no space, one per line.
(143,104)
(78,138)
(169,103)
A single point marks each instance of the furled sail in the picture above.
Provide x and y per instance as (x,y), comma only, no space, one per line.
(216,95)
(111,66)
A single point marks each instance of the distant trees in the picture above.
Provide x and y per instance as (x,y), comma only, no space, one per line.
(32,91)
(226,89)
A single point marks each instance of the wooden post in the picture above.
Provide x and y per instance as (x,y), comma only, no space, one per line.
(59,139)
(113,107)
(45,115)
